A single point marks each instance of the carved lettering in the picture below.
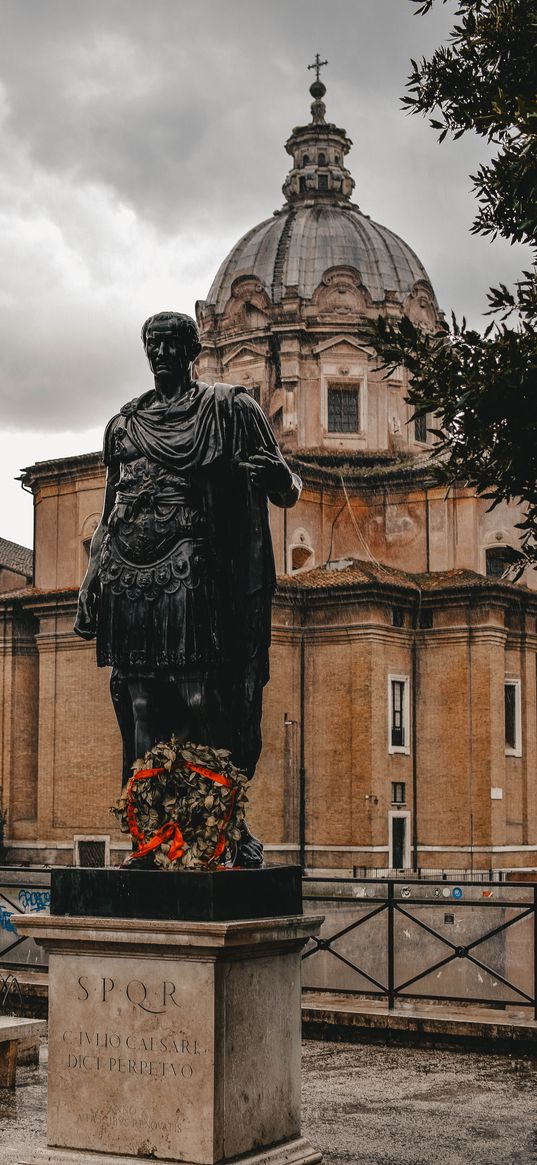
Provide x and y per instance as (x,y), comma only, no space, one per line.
(170,1044)
(86,995)
(154,1000)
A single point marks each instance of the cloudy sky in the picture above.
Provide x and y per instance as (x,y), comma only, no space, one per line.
(139,139)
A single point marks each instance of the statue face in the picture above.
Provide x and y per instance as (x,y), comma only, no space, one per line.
(166,351)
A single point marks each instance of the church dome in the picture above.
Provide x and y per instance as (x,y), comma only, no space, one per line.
(294,249)
(319,229)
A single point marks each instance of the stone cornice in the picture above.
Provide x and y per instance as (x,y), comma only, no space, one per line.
(77,468)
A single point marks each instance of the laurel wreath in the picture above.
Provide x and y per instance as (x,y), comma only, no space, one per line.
(186,818)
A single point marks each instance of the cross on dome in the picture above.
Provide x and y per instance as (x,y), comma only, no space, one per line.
(317,65)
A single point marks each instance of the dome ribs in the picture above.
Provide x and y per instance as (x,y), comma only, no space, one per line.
(281,255)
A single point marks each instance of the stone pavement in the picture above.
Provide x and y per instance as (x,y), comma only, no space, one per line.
(371,1105)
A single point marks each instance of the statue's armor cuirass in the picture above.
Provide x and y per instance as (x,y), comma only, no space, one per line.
(157,568)
(157,531)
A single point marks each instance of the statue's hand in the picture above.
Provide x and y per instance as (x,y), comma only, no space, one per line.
(270,473)
(86,617)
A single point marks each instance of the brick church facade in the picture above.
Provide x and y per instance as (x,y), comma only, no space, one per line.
(400,723)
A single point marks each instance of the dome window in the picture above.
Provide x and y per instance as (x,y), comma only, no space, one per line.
(322,159)
(499,559)
(343,411)
(306,160)
(337,159)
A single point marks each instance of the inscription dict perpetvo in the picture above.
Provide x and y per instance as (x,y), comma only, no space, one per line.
(98,1059)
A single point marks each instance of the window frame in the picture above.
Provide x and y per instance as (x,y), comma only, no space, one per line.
(396,678)
(351,386)
(356,376)
(418,422)
(516,683)
(101,837)
(399,813)
(493,553)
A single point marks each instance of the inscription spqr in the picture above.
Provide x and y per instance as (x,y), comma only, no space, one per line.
(131,1058)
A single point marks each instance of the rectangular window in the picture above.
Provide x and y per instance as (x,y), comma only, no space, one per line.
(91,851)
(399,714)
(343,416)
(398,793)
(513,732)
(420,429)
(398,617)
(399,840)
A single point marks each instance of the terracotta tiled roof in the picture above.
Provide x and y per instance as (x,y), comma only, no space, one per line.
(16,557)
(358,468)
(36,593)
(347,572)
(355,572)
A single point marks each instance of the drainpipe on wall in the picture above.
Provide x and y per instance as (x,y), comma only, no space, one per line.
(302,750)
(414,721)
(427,534)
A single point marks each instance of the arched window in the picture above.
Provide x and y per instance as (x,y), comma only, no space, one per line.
(300,555)
(322,159)
(306,160)
(499,560)
(337,159)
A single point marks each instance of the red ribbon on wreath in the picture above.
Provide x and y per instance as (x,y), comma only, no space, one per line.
(171,831)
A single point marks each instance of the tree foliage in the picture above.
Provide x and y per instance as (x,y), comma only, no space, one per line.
(482,388)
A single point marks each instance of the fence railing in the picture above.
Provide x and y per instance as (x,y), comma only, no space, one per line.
(423,874)
(432,939)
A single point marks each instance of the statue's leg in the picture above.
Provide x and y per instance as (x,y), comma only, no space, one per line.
(198,712)
(143,692)
(121,700)
(241,702)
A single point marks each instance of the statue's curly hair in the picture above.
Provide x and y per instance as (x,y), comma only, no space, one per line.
(183,324)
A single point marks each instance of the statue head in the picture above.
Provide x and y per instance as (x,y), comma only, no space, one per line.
(171,341)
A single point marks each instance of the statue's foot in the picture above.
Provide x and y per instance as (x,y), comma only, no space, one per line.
(133,863)
(249,850)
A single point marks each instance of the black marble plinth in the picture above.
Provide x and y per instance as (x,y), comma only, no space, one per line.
(186,895)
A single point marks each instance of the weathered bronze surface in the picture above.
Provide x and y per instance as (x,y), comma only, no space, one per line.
(181,575)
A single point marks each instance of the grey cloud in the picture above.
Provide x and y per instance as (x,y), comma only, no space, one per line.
(154,101)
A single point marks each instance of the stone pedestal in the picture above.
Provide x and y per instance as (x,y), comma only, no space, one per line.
(173,1040)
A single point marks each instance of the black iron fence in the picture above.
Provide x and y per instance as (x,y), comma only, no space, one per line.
(473,942)
(452,874)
